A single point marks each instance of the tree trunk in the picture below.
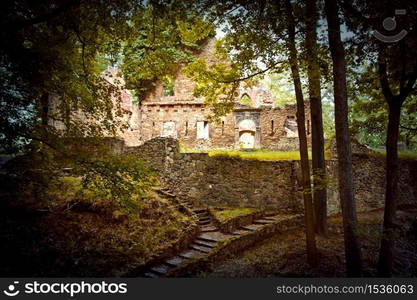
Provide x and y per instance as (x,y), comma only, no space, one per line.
(305,167)
(395,102)
(317,135)
(386,256)
(344,154)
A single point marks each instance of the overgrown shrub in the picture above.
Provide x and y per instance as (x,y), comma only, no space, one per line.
(118,181)
(121,181)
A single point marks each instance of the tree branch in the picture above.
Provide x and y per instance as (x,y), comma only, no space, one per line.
(252,75)
(408,128)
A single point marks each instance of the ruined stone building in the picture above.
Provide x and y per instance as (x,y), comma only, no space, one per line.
(176,113)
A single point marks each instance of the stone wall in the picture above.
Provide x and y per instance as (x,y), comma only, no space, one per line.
(228,181)
(185,117)
(219,181)
(273,122)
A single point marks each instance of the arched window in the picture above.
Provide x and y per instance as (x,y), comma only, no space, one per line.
(246,100)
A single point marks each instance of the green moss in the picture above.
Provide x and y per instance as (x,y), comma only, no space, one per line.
(223,214)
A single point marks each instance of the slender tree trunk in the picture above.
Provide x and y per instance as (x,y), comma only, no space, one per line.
(344,154)
(386,257)
(317,141)
(305,167)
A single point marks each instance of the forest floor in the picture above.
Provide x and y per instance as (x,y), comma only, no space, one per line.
(283,255)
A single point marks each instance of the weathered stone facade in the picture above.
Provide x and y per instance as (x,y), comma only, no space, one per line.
(226,181)
(185,117)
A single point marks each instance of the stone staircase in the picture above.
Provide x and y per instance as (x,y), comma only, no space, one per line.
(203,244)
(211,244)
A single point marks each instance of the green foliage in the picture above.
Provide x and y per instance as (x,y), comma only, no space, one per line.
(57,52)
(281,88)
(119,180)
(251,46)
(328,119)
(64,188)
(97,176)
(215,82)
(59,49)
(169,83)
(163,36)
(369,111)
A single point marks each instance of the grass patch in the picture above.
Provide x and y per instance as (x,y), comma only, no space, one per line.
(223,214)
(256,154)
(410,155)
(259,154)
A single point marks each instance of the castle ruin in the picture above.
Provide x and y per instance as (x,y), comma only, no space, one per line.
(178,114)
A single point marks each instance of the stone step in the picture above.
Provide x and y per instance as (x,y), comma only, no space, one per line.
(240,232)
(174,262)
(150,275)
(208,229)
(252,227)
(201,248)
(210,223)
(264,221)
(270,214)
(205,243)
(160,269)
(199,210)
(206,222)
(213,236)
(204,218)
(191,253)
(270,218)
